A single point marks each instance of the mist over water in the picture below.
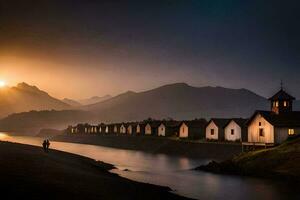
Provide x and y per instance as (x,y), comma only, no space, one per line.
(173,172)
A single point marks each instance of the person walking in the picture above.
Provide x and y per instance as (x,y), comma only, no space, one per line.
(44,145)
(47,145)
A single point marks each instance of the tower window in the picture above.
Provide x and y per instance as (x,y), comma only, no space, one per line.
(291,131)
(261,132)
(259,123)
(232,131)
(212,131)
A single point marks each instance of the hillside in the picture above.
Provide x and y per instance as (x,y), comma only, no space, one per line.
(32,122)
(24,97)
(180,101)
(93,100)
(71,102)
(282,161)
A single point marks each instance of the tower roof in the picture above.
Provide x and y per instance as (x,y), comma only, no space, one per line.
(281,95)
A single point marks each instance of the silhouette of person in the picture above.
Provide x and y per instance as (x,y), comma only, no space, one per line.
(45,145)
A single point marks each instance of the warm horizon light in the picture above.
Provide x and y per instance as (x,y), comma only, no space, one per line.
(2,83)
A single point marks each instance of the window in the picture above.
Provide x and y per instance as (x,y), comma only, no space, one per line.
(232,131)
(291,131)
(259,123)
(261,132)
(277,104)
(285,103)
(212,131)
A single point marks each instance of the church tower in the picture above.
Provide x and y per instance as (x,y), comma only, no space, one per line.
(281,102)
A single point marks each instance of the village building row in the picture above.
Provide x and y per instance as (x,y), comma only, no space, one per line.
(193,129)
(265,127)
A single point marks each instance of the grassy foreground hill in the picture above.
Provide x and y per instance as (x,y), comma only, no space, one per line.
(282,161)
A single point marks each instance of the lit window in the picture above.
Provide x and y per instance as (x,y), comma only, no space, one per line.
(285,104)
(232,131)
(261,132)
(212,131)
(291,131)
(277,104)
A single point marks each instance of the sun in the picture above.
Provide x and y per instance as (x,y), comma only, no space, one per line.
(2,83)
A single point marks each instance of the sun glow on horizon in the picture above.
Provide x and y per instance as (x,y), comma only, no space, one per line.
(2,83)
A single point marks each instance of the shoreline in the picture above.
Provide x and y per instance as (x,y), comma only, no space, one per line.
(158,145)
(279,163)
(26,170)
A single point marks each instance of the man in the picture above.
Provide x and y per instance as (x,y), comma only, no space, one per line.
(47,145)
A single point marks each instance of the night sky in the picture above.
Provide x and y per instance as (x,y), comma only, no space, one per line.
(83,48)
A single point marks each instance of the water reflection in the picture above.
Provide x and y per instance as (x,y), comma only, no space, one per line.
(174,172)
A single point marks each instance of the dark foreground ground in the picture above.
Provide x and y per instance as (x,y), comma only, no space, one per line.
(281,162)
(162,145)
(26,172)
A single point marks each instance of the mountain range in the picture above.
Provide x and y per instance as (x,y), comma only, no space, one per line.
(178,101)
(24,97)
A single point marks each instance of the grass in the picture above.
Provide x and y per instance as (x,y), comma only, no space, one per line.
(282,161)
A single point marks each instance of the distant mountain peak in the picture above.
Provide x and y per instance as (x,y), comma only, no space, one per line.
(29,88)
(180,84)
(94,99)
(24,97)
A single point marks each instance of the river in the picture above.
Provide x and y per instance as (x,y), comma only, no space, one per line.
(174,172)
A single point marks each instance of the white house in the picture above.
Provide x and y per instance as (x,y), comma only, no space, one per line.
(275,126)
(129,129)
(123,129)
(183,130)
(215,129)
(194,129)
(235,129)
(162,130)
(115,128)
(151,128)
(148,130)
(138,129)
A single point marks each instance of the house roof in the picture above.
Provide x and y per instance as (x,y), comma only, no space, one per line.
(131,124)
(196,123)
(220,122)
(240,121)
(171,123)
(154,124)
(288,119)
(282,95)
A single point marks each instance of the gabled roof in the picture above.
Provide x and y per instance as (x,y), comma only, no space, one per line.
(282,95)
(220,122)
(288,119)
(240,121)
(196,123)
(171,123)
(133,124)
(154,124)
